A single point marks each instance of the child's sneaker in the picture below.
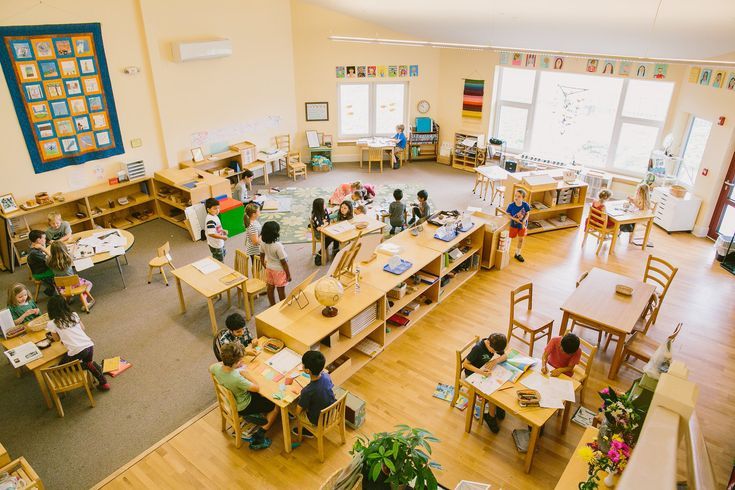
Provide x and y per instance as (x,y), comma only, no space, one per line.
(491,422)
(499,413)
(519,258)
(256,418)
(264,443)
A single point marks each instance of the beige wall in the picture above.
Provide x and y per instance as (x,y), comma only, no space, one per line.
(315,59)
(230,98)
(122,34)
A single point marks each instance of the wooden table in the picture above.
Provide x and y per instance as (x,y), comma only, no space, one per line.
(347,236)
(105,256)
(51,357)
(272,158)
(208,285)
(617,215)
(596,303)
(488,176)
(577,468)
(390,148)
(505,397)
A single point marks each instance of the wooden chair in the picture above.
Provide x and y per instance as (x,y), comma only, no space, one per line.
(458,377)
(645,321)
(597,227)
(641,347)
(253,285)
(536,324)
(659,273)
(283,142)
(228,411)
(69,286)
(401,155)
(341,478)
(216,346)
(375,155)
(584,368)
(294,165)
(66,377)
(19,468)
(161,260)
(38,288)
(329,418)
(577,323)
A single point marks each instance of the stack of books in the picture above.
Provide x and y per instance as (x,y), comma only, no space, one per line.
(360,321)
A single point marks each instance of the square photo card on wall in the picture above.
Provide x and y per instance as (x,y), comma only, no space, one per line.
(382,71)
(371,70)
(58,80)
(392,71)
(413,70)
(504,57)
(624,70)
(643,70)
(659,71)
(731,81)
(705,76)
(608,67)
(340,71)
(592,65)
(718,79)
(516,59)
(545,61)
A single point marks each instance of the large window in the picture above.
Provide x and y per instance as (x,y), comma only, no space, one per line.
(604,122)
(694,144)
(370,109)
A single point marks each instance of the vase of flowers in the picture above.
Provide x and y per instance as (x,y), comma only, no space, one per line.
(620,416)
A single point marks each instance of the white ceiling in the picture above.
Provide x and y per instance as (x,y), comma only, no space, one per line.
(692,29)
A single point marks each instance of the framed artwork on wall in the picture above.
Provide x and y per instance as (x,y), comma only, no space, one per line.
(8,204)
(317,111)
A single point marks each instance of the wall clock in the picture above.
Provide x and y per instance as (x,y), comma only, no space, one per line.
(423,106)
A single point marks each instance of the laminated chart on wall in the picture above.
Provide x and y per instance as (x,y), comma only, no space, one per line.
(60,86)
(472,98)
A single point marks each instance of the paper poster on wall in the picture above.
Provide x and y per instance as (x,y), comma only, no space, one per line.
(545,61)
(516,59)
(413,70)
(592,65)
(659,71)
(694,74)
(472,98)
(371,70)
(643,70)
(558,63)
(731,81)
(718,79)
(530,60)
(504,57)
(382,71)
(705,76)
(624,69)
(340,71)
(608,67)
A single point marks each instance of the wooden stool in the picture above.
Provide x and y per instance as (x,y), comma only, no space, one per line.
(530,322)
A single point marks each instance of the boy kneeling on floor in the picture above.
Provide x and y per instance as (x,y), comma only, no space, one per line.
(318,394)
(231,374)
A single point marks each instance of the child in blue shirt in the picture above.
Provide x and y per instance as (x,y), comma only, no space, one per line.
(318,394)
(400,140)
(518,211)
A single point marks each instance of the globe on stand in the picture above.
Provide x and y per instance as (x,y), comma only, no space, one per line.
(328,292)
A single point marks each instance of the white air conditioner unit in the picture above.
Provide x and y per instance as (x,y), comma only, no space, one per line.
(201,50)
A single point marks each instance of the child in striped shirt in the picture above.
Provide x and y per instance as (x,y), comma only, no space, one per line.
(252,230)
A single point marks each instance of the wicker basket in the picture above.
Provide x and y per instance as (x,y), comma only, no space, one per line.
(38,324)
(678,191)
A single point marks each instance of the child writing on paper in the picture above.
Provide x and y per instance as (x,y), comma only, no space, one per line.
(58,229)
(641,200)
(216,235)
(562,353)
(318,394)
(518,211)
(237,331)
(480,360)
(61,263)
(231,374)
(22,307)
(252,230)
(274,258)
(603,196)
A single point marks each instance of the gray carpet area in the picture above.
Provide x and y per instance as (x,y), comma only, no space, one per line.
(170,352)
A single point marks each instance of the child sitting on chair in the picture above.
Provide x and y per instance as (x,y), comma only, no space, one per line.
(397,212)
(37,261)
(58,229)
(61,263)
(318,394)
(641,200)
(250,403)
(421,210)
(22,307)
(237,331)
(562,353)
(480,360)
(603,196)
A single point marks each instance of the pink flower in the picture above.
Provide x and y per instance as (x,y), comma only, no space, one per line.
(605,391)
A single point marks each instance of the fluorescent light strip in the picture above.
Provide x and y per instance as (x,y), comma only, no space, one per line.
(485,47)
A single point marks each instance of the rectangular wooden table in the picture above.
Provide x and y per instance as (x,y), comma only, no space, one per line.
(390,148)
(373,226)
(618,216)
(596,303)
(505,397)
(208,285)
(487,176)
(51,357)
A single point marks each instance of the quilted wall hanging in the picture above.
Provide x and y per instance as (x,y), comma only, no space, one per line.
(60,86)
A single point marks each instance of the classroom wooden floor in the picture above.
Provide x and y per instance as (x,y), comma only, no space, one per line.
(398,384)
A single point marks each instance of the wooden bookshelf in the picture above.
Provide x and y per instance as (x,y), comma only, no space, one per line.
(427,144)
(97,206)
(468,157)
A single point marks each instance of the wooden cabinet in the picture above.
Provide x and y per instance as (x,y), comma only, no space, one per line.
(468,156)
(423,145)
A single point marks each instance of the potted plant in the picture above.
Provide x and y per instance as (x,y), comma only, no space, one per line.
(397,459)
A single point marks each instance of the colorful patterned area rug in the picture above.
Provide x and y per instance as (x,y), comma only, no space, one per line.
(294,222)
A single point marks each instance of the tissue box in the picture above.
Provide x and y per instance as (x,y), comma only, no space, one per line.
(398,292)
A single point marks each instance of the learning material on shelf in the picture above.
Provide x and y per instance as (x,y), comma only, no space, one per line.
(206,265)
(284,360)
(368,347)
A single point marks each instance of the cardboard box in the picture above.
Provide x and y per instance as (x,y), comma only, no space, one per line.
(397,292)
(355,410)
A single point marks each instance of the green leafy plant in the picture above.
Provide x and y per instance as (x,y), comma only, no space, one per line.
(399,458)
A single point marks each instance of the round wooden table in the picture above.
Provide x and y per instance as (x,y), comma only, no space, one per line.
(98,258)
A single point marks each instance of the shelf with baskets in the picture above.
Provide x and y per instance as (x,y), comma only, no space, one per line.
(423,145)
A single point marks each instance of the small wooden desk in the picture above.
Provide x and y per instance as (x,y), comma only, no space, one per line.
(105,256)
(488,176)
(632,216)
(576,470)
(390,148)
(208,285)
(51,357)
(272,158)
(595,302)
(505,397)
(347,236)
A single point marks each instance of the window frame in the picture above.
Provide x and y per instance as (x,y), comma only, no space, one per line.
(620,119)
(685,143)
(372,107)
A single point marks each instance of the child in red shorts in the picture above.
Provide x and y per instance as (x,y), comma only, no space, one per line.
(273,255)
(518,211)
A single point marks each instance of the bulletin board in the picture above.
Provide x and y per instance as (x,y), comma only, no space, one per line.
(60,86)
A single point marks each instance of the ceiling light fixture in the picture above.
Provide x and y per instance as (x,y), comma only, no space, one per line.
(486,47)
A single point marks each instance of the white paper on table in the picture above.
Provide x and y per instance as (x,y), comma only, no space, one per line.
(553,391)
(102,248)
(116,241)
(90,241)
(206,266)
(115,251)
(488,384)
(284,360)
(23,354)
(83,264)
(341,227)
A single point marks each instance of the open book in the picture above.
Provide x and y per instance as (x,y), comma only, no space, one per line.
(517,364)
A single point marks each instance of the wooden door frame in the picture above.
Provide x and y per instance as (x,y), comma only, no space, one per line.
(724,191)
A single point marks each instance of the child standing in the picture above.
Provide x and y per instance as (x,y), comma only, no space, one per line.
(480,360)
(252,230)
(274,258)
(231,374)
(237,331)
(57,228)
(562,353)
(318,394)
(397,212)
(319,219)
(216,235)
(21,306)
(37,261)
(66,326)
(518,211)
(61,263)
(420,211)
